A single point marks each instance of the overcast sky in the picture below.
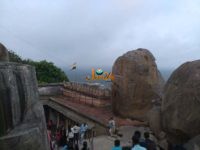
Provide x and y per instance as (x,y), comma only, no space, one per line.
(96,32)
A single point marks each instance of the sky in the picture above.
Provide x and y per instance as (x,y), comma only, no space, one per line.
(94,33)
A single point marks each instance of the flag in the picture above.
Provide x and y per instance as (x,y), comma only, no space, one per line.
(73,66)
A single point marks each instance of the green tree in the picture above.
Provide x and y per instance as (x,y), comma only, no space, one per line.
(46,72)
(14,57)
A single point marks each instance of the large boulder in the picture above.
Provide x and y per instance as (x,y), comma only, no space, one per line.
(22,120)
(181,103)
(3,53)
(137,84)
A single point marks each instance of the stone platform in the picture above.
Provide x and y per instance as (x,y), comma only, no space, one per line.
(97,114)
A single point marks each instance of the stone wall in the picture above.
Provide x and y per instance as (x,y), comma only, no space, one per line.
(53,89)
(50,89)
(90,90)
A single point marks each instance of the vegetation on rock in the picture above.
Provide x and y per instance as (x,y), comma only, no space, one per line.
(46,72)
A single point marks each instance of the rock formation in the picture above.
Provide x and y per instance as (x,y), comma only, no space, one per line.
(22,122)
(181,103)
(193,144)
(137,85)
(3,53)
(154,119)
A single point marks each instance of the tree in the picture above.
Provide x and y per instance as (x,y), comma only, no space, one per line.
(14,57)
(46,72)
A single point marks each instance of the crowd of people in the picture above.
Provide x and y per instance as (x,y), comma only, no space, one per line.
(73,138)
(145,143)
(138,143)
(69,138)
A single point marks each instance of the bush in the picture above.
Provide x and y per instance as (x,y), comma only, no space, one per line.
(46,72)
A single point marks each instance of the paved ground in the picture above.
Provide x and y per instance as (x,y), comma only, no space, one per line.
(105,142)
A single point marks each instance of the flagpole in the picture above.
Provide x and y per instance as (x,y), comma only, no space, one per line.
(73,68)
(76,75)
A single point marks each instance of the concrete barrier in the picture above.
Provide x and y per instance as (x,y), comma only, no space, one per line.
(50,89)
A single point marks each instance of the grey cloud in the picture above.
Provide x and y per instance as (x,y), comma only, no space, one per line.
(95,33)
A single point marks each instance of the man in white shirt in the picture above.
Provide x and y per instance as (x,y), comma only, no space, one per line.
(76,130)
(111,126)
